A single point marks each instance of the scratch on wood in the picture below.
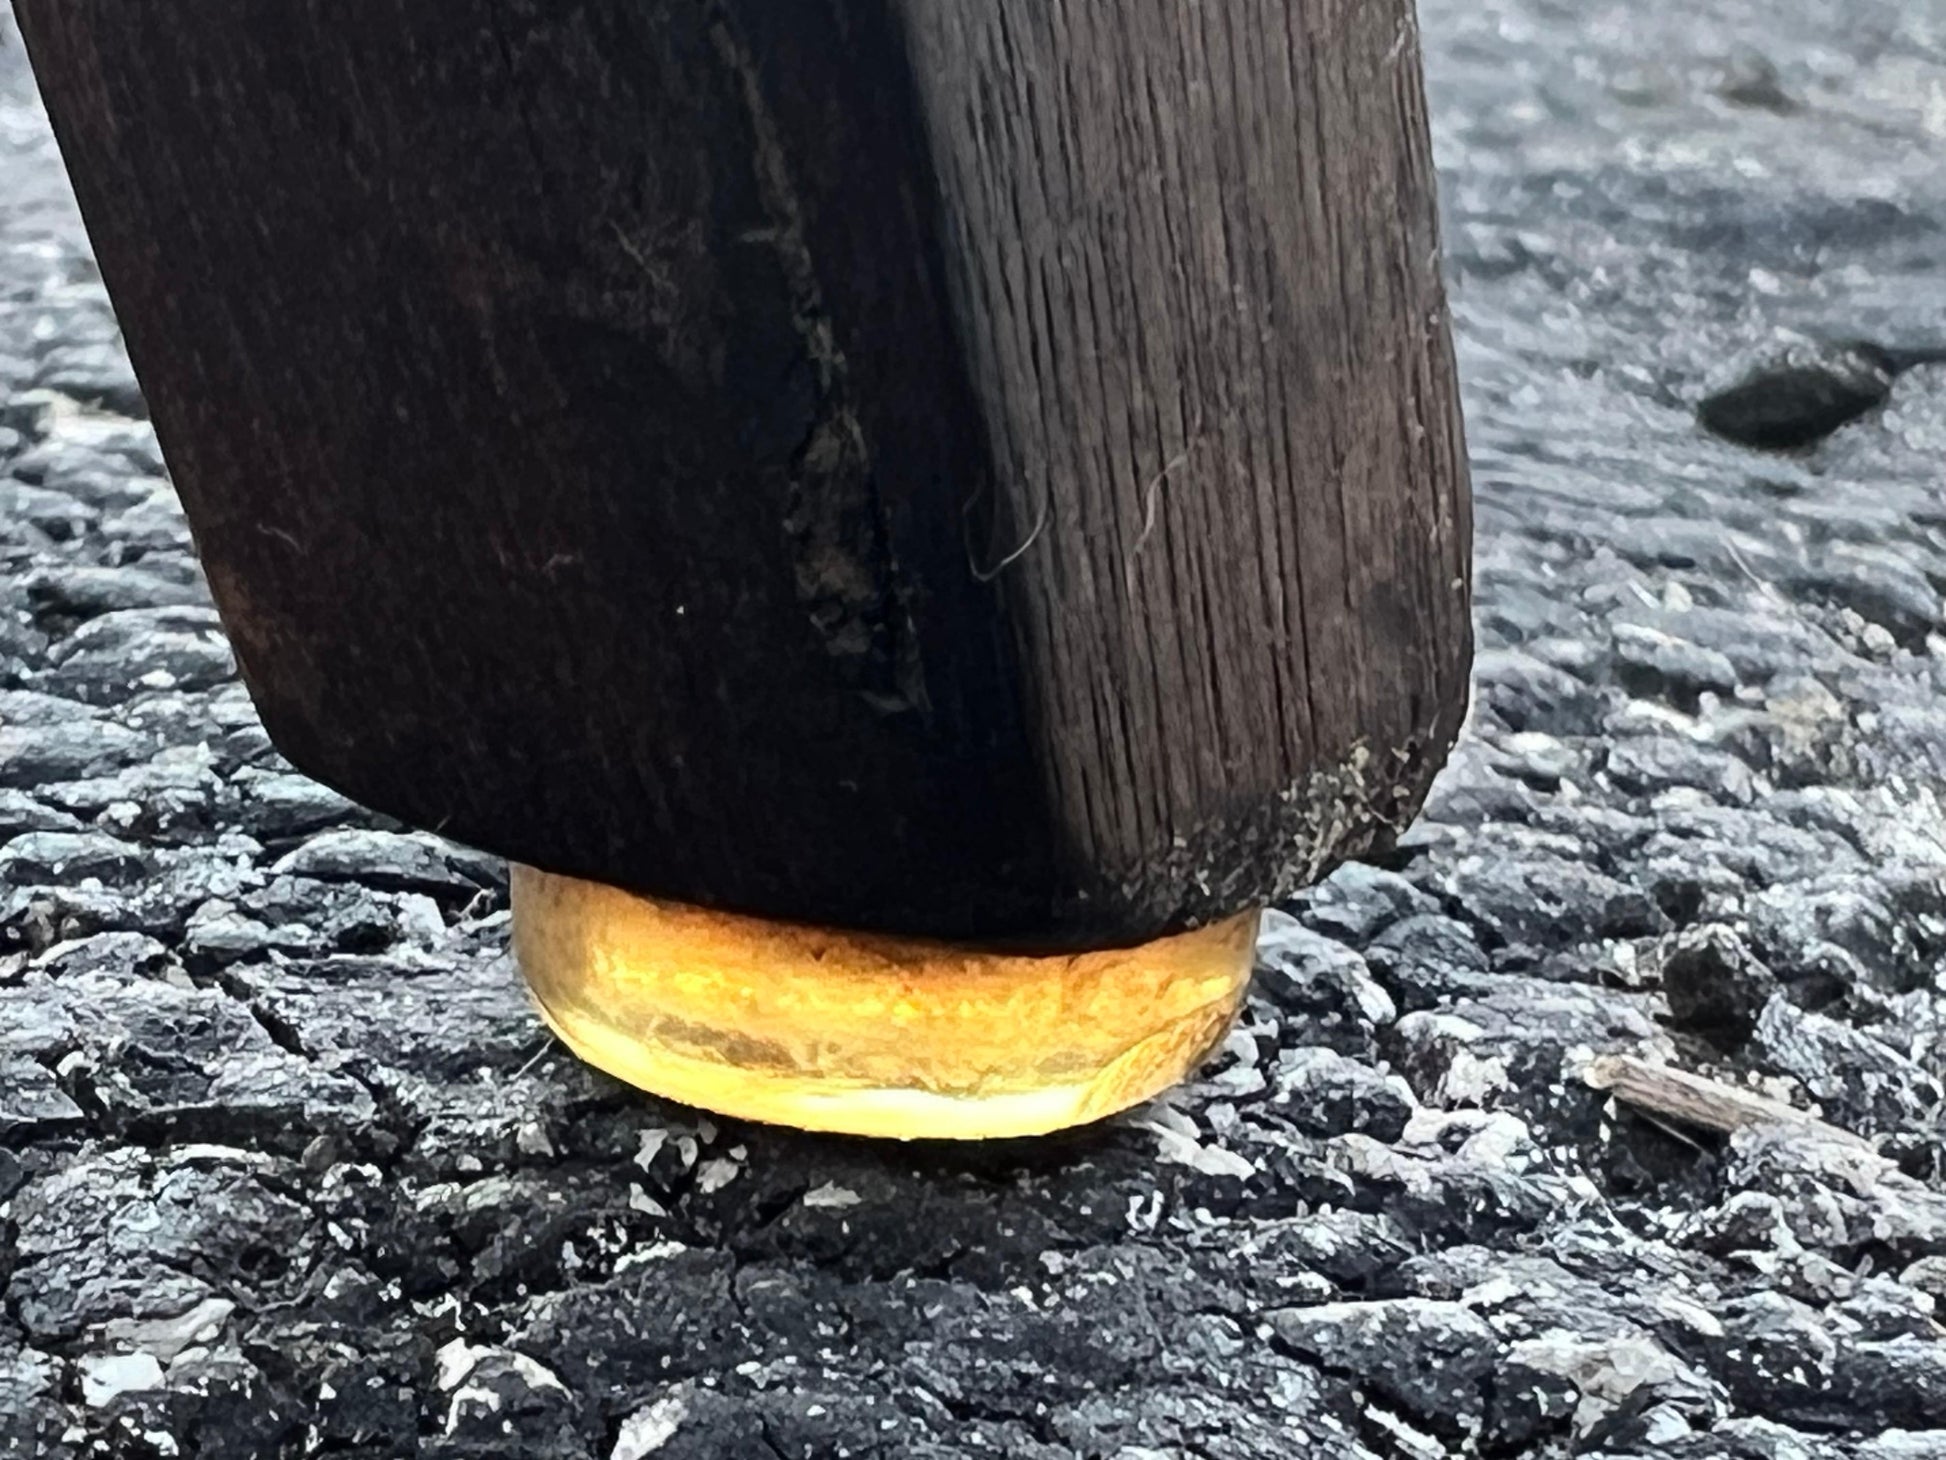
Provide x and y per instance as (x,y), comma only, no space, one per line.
(840,554)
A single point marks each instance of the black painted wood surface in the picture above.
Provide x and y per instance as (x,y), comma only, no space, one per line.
(989,470)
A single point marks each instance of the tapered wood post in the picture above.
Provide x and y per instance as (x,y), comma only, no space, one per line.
(985,471)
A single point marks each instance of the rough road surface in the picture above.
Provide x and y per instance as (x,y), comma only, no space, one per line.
(287,1167)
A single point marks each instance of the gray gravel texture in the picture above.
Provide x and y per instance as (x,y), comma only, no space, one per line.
(287,1166)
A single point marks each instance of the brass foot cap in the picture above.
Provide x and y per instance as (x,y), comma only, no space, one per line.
(869,1035)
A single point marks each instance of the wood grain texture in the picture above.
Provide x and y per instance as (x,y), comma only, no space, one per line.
(1199,245)
(988,470)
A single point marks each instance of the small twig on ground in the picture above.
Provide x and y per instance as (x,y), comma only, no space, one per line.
(548,1045)
(1697,1100)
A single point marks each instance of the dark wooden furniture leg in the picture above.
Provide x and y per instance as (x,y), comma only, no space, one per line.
(982,477)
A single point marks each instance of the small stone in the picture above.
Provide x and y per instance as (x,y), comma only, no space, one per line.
(1801,396)
(96,374)
(650,1428)
(1715,986)
(1879,1308)
(1547,900)
(1746,1221)
(1903,1445)
(396,861)
(104,661)
(57,514)
(1357,901)
(1430,1359)
(217,932)
(62,856)
(1326,1094)
(1927,1275)
(1862,1083)
(1655,665)
(31,1101)
(1654,766)
(152,523)
(1525,693)
(1305,972)
(1543,761)
(1355,1250)
(1900,1383)
(1751,79)
(278,806)
(105,1377)
(83,591)
(65,749)
(320,1155)
(1424,960)
(165,1338)
(1620,1370)
(21,813)
(1775,1353)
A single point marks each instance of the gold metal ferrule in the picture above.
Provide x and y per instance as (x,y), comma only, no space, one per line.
(865,1034)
